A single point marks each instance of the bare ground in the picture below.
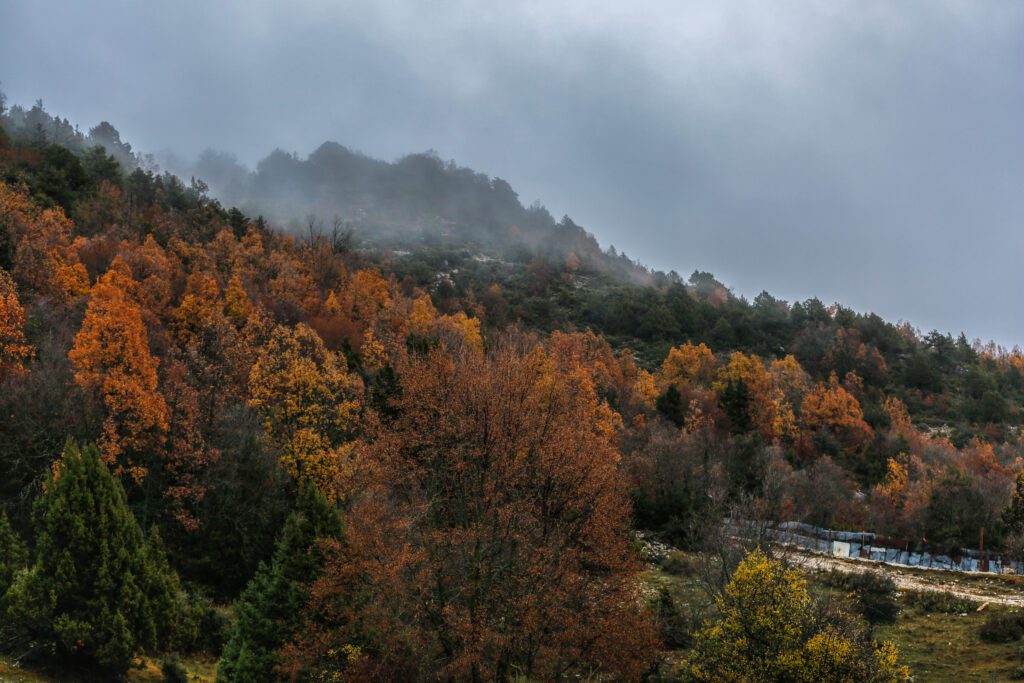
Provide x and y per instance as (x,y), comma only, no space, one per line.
(980,588)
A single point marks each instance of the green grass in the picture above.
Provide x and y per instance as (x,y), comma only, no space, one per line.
(947,647)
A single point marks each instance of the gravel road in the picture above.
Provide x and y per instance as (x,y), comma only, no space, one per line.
(979,588)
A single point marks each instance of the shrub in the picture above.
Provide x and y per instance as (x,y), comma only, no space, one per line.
(945,603)
(677,625)
(1003,627)
(768,631)
(173,671)
(875,593)
(677,564)
(201,627)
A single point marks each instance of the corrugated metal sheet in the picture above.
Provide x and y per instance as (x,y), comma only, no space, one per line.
(865,544)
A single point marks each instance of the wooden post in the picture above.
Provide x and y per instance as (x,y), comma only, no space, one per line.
(982,560)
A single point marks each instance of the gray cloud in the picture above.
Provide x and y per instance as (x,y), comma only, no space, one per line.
(865,152)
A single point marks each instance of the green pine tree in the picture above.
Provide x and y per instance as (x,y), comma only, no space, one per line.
(13,560)
(162,591)
(96,593)
(269,610)
(13,555)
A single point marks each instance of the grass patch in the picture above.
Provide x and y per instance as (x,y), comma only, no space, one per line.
(9,673)
(199,671)
(948,647)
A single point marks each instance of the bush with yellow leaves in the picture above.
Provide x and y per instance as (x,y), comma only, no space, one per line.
(770,629)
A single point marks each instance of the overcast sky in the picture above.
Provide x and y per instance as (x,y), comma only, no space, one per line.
(870,153)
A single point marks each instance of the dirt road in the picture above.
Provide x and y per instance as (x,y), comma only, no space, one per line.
(980,588)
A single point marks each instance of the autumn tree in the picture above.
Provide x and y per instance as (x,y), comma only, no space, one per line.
(830,409)
(629,389)
(460,329)
(789,378)
(112,359)
(422,315)
(753,400)
(237,305)
(423,323)
(369,294)
(849,354)
(199,306)
(309,401)
(292,292)
(488,536)
(157,271)
(693,364)
(44,260)
(769,629)
(894,487)
(14,349)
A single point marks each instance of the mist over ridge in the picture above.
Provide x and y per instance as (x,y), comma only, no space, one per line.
(869,155)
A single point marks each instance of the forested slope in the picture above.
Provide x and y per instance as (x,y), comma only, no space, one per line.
(488,402)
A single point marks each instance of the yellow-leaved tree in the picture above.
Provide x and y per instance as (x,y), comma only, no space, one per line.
(237,305)
(310,404)
(688,363)
(770,630)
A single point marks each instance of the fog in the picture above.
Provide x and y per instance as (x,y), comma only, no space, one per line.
(864,152)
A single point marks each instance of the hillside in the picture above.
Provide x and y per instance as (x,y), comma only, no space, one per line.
(434,424)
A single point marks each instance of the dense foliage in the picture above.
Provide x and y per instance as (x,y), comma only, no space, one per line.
(269,611)
(770,630)
(96,590)
(485,398)
(488,531)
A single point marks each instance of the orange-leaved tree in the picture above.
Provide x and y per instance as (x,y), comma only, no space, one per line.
(111,357)
(629,389)
(44,260)
(829,408)
(14,349)
(750,395)
(489,535)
